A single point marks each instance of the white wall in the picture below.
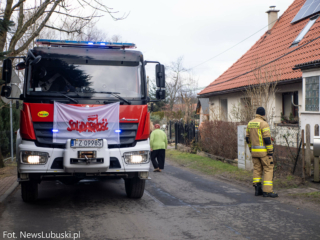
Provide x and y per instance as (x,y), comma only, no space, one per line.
(309,117)
(235,98)
(214,104)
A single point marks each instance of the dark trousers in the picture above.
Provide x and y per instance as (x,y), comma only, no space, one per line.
(158,158)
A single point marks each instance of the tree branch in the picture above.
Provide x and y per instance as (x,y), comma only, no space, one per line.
(17,5)
(36,33)
(62,30)
(107,10)
(7,11)
(21,17)
(69,15)
(28,23)
(6,17)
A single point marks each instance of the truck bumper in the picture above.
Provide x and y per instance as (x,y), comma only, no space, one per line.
(60,154)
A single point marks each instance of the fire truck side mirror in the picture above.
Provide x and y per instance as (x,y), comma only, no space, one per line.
(6,91)
(7,70)
(160,76)
(161,94)
(21,66)
(36,60)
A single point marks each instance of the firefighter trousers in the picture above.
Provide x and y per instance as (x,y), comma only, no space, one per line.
(263,165)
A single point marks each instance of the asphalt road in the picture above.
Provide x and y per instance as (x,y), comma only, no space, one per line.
(177,204)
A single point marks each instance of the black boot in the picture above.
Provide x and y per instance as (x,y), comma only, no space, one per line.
(258,189)
(270,194)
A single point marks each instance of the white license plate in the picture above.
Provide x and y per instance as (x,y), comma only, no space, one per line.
(86,143)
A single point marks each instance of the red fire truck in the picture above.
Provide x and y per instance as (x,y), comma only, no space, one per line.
(84,75)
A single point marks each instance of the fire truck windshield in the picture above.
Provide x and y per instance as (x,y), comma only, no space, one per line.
(80,77)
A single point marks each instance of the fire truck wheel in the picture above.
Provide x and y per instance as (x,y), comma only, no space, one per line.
(135,187)
(29,191)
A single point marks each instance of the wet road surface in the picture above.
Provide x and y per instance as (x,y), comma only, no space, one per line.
(177,204)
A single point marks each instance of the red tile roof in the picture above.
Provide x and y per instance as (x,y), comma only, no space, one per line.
(272,45)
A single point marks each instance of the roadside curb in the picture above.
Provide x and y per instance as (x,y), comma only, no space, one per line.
(9,191)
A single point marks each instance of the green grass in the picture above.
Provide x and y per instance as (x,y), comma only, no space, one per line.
(312,196)
(213,167)
(207,165)
(10,169)
(289,177)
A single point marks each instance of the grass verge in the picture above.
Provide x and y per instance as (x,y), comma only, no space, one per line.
(212,167)
(312,196)
(208,166)
(9,170)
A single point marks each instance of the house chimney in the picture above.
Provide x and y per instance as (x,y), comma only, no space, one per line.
(272,16)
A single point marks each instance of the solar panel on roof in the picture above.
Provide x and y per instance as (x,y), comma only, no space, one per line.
(310,7)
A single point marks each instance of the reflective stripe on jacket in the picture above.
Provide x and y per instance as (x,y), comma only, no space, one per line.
(258,137)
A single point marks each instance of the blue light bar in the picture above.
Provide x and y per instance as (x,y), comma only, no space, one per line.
(117,131)
(117,45)
(55,130)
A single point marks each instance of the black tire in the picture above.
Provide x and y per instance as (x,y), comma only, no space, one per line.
(29,191)
(135,187)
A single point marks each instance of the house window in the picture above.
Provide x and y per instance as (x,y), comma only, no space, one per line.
(312,93)
(224,109)
(289,111)
(304,30)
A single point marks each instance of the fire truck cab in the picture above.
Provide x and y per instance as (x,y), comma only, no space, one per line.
(85,75)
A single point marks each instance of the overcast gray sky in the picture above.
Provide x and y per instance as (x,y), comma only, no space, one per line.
(198,30)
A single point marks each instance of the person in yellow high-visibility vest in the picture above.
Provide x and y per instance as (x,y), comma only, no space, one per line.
(259,140)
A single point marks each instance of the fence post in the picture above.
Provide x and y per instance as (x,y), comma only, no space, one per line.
(308,151)
(184,133)
(176,134)
(316,159)
(303,156)
(316,130)
(316,169)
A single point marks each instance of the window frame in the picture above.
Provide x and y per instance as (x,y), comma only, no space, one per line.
(305,94)
(304,31)
(294,109)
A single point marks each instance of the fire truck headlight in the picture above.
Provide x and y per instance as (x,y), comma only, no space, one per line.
(136,157)
(33,157)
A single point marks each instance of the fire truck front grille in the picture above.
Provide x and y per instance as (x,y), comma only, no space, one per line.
(44,135)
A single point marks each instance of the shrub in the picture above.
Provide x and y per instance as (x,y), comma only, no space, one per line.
(155,118)
(219,138)
(159,114)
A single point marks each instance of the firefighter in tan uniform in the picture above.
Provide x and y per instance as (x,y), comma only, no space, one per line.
(259,140)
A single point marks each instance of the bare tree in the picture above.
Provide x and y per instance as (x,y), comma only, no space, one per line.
(189,96)
(175,78)
(30,20)
(92,33)
(259,93)
(116,38)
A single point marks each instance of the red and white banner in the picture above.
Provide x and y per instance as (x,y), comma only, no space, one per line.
(71,122)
